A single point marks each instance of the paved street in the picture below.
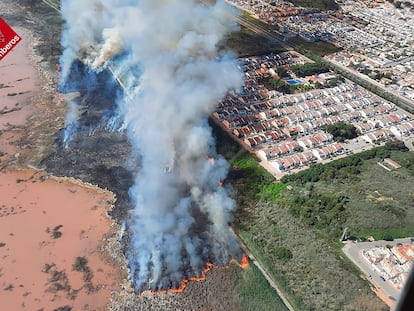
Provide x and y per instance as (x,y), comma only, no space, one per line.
(354,252)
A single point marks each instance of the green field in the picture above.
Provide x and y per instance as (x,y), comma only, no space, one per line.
(320,48)
(255,293)
(310,272)
(245,42)
(380,202)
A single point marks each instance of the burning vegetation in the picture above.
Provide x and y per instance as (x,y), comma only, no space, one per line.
(244,263)
(164,80)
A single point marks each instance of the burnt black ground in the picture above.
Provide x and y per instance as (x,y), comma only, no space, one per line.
(99,158)
(95,154)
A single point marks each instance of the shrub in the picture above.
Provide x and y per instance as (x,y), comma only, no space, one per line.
(282,253)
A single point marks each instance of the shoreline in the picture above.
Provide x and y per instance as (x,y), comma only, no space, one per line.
(60,246)
(48,224)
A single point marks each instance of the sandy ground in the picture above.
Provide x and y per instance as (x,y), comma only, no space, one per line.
(53,232)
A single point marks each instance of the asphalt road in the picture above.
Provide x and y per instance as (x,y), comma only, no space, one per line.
(354,252)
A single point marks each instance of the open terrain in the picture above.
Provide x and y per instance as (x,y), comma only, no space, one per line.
(380,202)
(294,228)
(301,259)
(245,42)
(305,259)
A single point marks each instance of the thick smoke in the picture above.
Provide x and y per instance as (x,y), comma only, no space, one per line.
(71,122)
(164,53)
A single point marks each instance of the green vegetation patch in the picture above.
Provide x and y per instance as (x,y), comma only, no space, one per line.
(323,5)
(252,180)
(357,193)
(248,43)
(342,131)
(325,212)
(255,293)
(305,266)
(310,69)
(320,48)
(270,192)
(377,202)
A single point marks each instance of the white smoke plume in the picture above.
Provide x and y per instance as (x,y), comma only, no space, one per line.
(71,121)
(173,77)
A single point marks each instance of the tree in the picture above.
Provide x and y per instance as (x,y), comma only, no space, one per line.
(282,253)
(282,72)
(309,69)
(342,131)
(280,85)
(396,145)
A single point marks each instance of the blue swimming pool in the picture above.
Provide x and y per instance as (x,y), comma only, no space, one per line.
(293,81)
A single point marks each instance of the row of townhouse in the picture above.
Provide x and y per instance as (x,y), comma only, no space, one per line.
(404,129)
(294,161)
(280,149)
(257,65)
(302,159)
(303,123)
(355,99)
(378,136)
(316,143)
(400,125)
(350,91)
(255,139)
(315,140)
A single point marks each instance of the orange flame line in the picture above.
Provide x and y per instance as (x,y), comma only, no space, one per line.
(244,263)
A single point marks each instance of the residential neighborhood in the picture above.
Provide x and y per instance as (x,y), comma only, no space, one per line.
(288,131)
(376,37)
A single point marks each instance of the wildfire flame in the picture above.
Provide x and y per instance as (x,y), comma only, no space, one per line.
(244,263)
(211,160)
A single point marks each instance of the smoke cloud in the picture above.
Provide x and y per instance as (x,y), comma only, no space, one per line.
(164,53)
(71,123)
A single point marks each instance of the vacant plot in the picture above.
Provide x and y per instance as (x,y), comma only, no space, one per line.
(319,4)
(247,43)
(309,271)
(255,293)
(379,202)
(320,48)
(303,261)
